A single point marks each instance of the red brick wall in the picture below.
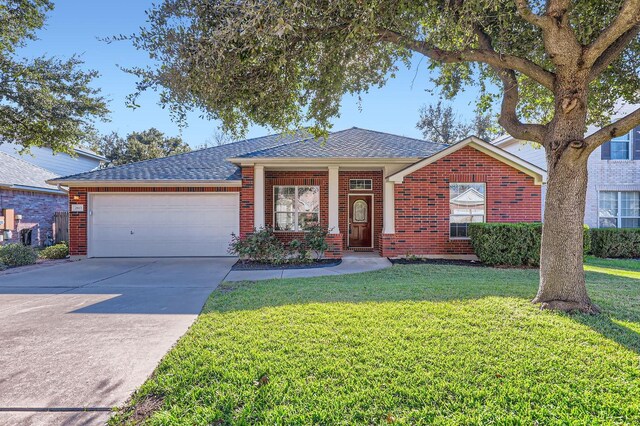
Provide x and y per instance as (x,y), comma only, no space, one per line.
(78,220)
(343,191)
(246,202)
(36,208)
(300,178)
(422,202)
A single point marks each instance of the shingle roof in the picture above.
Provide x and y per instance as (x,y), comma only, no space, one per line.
(211,163)
(352,143)
(19,174)
(204,164)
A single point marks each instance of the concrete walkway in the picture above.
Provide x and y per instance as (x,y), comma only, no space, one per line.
(351,263)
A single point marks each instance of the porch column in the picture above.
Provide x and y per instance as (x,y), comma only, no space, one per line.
(333,201)
(389,208)
(258,196)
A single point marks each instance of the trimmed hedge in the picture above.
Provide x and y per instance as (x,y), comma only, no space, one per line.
(616,242)
(15,254)
(511,244)
(58,251)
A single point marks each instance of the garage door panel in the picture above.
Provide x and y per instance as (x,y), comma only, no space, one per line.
(156,225)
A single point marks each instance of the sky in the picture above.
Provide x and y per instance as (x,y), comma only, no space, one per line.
(76,27)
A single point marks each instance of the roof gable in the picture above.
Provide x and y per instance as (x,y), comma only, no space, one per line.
(514,161)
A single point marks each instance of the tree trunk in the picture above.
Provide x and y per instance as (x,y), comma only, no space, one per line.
(562,278)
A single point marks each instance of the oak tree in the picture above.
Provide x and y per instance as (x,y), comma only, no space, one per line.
(48,102)
(560,65)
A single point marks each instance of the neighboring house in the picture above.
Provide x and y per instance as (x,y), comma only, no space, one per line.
(613,189)
(23,188)
(59,163)
(374,191)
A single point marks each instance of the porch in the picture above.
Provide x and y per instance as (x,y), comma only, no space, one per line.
(355,204)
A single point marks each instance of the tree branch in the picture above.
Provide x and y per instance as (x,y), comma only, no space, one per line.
(628,17)
(527,14)
(487,56)
(613,52)
(613,130)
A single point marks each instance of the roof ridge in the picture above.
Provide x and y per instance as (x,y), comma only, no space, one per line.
(273,147)
(30,164)
(393,134)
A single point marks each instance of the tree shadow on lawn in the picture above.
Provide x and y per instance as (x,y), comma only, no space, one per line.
(618,296)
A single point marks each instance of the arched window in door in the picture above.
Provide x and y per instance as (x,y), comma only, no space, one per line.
(360,211)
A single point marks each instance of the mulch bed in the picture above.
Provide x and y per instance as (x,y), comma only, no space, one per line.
(248,265)
(421,261)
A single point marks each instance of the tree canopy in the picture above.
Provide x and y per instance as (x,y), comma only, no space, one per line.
(138,146)
(43,101)
(288,63)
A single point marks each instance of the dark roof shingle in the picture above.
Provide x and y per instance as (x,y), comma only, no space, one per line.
(15,172)
(211,163)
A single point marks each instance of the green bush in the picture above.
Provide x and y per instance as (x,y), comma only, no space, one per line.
(511,244)
(298,252)
(260,246)
(616,242)
(315,238)
(58,251)
(17,255)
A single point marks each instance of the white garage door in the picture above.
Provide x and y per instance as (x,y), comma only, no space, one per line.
(157,225)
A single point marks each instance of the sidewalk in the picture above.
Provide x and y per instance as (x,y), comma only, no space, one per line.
(351,263)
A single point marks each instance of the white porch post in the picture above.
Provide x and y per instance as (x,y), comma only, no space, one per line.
(258,196)
(389,208)
(333,201)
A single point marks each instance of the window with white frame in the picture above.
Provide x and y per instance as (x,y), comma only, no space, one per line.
(360,184)
(621,147)
(295,208)
(619,209)
(466,205)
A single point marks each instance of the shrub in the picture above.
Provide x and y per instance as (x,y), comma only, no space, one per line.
(315,238)
(616,242)
(260,246)
(17,255)
(58,251)
(298,252)
(511,244)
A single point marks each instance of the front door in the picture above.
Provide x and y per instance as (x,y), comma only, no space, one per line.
(360,221)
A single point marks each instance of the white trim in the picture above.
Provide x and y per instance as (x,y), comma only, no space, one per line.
(258,197)
(334,204)
(373,218)
(388,207)
(60,191)
(146,183)
(539,175)
(321,163)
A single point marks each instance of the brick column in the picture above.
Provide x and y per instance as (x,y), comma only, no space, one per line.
(247,202)
(78,222)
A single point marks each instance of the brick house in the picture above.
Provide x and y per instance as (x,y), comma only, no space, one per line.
(23,188)
(374,191)
(613,188)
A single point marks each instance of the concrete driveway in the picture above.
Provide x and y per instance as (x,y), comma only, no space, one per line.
(86,334)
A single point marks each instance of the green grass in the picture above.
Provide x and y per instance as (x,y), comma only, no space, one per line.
(423,344)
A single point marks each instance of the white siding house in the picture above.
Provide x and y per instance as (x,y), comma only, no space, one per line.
(58,163)
(613,189)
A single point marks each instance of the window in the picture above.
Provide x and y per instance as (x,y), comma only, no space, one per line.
(620,149)
(360,184)
(619,209)
(295,207)
(466,205)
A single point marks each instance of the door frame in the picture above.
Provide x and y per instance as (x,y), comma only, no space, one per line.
(91,195)
(373,219)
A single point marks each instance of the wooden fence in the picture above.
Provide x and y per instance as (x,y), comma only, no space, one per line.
(60,227)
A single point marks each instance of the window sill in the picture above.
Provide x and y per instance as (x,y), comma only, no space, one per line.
(459,238)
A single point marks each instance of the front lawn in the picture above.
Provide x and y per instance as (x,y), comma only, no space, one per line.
(424,344)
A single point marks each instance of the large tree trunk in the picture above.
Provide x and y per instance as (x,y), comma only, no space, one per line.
(562,278)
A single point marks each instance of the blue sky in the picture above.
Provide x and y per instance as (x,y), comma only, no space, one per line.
(75,26)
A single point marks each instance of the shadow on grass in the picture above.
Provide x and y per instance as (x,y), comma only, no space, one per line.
(618,295)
